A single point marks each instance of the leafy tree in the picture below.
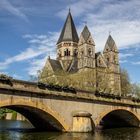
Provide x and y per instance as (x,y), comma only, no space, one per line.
(135,90)
(125,82)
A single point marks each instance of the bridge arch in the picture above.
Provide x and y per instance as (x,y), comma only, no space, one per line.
(118,118)
(40,115)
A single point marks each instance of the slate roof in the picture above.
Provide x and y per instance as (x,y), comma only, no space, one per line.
(69,32)
(56,66)
(97,54)
(85,33)
(74,66)
(110,41)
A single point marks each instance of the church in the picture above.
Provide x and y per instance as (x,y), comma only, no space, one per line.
(78,65)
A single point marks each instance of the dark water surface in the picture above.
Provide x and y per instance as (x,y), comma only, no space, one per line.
(20,133)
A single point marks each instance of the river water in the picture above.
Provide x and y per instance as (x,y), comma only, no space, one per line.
(19,130)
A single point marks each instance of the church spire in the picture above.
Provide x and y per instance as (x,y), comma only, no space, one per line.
(69,32)
(86,37)
(110,45)
(85,33)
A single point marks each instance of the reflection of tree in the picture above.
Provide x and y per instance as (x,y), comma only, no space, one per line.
(75,136)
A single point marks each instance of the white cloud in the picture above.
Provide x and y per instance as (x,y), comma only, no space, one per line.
(16,76)
(38,45)
(6,5)
(36,65)
(123,61)
(136,63)
(119,17)
(125,55)
(78,8)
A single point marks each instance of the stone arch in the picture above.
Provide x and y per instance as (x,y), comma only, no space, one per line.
(39,111)
(125,117)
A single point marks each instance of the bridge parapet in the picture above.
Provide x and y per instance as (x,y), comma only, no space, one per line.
(26,88)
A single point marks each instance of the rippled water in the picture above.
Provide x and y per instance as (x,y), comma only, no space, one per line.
(31,134)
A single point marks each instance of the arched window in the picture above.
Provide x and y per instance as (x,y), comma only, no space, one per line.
(82,53)
(66,52)
(89,52)
(99,61)
(75,52)
(108,59)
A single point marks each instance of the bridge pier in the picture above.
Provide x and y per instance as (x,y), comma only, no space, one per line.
(82,122)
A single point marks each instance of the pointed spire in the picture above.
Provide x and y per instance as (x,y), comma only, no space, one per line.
(85,33)
(110,41)
(69,32)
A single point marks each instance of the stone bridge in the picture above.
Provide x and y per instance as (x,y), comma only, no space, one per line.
(67,111)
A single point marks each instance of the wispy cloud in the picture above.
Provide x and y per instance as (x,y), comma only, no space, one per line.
(123,61)
(6,5)
(125,55)
(136,63)
(103,16)
(39,45)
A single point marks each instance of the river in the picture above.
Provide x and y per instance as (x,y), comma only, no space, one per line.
(19,130)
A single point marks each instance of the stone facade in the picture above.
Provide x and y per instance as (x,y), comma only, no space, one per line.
(79,66)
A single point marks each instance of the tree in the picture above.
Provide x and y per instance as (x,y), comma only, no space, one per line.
(135,90)
(125,82)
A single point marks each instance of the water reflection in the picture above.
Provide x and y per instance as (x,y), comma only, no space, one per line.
(31,134)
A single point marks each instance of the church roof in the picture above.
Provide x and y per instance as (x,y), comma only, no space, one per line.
(85,33)
(69,32)
(110,41)
(55,64)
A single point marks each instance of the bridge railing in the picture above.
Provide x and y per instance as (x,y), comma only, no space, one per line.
(37,86)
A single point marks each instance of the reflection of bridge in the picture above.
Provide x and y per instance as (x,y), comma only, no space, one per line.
(55,110)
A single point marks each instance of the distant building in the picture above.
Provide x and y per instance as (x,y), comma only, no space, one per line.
(79,66)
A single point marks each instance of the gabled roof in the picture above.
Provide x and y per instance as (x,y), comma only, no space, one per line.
(85,33)
(99,56)
(69,32)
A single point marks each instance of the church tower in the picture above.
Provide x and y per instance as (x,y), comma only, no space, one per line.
(67,44)
(111,57)
(86,50)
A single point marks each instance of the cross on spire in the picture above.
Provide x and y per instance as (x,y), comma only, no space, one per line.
(109,32)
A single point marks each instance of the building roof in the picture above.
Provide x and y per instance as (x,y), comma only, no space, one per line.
(69,32)
(85,33)
(110,43)
(55,64)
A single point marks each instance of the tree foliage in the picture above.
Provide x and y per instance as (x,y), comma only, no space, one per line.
(125,82)
(135,90)
(128,88)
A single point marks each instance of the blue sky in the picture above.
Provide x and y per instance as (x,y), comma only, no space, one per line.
(29,30)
